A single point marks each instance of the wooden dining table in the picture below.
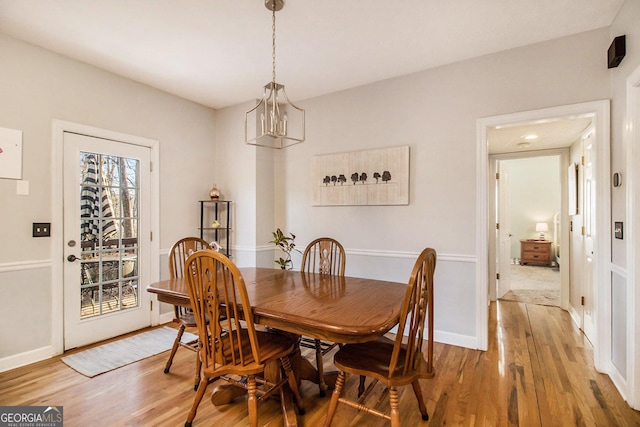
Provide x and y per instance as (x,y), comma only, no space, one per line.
(331,308)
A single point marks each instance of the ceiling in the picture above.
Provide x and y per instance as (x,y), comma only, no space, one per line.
(560,132)
(218,52)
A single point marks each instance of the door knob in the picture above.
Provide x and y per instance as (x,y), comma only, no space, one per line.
(72,258)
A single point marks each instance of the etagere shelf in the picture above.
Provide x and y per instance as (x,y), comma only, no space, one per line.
(216,211)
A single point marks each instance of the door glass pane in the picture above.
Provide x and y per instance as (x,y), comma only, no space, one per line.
(109,234)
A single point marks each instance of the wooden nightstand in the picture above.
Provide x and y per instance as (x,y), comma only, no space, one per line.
(535,252)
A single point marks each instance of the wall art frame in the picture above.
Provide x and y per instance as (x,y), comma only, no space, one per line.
(375,177)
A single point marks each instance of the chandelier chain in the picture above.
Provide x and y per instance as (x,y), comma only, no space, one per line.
(273,41)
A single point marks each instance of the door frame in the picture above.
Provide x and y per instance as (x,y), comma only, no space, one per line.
(631,138)
(59,127)
(602,275)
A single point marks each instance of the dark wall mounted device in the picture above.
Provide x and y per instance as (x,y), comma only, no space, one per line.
(617,51)
(41,229)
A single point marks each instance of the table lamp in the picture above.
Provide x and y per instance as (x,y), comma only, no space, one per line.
(542,227)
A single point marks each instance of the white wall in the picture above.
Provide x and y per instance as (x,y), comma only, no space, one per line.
(38,86)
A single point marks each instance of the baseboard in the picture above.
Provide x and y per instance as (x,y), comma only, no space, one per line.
(26,358)
(166,318)
(465,341)
(575,316)
(619,381)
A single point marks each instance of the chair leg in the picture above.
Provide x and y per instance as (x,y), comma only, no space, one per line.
(418,392)
(333,404)
(202,388)
(394,404)
(176,344)
(293,383)
(198,369)
(320,366)
(252,401)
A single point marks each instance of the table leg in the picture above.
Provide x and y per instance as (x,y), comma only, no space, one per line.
(307,371)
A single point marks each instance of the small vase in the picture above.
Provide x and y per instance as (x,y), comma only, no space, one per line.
(214,193)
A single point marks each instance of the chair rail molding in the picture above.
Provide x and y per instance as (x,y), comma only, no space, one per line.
(6,267)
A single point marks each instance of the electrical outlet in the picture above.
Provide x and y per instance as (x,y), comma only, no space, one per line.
(41,229)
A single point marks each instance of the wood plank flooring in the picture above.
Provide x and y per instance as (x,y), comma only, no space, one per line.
(538,371)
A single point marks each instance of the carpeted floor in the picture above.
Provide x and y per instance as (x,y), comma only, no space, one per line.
(534,285)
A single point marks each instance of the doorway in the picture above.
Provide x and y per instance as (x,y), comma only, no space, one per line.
(105,219)
(485,226)
(104,194)
(528,242)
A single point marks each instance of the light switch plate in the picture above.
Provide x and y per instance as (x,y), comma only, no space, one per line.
(618,230)
(41,229)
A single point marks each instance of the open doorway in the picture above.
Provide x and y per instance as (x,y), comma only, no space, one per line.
(600,217)
(530,194)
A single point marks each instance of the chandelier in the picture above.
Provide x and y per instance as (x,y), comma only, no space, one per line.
(274,122)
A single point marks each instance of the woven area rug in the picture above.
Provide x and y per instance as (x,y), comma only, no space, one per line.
(107,357)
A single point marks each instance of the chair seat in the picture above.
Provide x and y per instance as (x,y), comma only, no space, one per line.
(372,359)
(271,346)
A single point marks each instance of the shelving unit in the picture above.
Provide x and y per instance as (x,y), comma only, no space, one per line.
(216,210)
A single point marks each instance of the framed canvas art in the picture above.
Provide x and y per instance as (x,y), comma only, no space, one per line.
(370,177)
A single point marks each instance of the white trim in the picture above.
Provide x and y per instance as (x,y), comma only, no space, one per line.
(602,245)
(7,267)
(455,339)
(26,358)
(631,139)
(58,127)
(373,253)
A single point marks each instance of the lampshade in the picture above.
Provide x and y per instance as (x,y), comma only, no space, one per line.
(542,226)
(274,122)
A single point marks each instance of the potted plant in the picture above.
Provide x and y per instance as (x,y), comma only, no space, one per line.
(287,245)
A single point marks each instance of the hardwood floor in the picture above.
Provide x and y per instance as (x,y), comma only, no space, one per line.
(538,373)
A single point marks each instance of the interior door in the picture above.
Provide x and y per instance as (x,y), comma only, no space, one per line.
(588,238)
(504,232)
(106,238)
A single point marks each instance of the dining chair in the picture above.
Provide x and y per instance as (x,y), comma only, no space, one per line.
(230,344)
(394,362)
(178,254)
(324,255)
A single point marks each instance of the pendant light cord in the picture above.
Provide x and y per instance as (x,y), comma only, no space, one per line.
(273,42)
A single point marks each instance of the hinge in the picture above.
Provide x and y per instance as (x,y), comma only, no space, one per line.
(498,175)
(150,166)
(583,231)
(151,236)
(150,305)
(582,160)
(498,276)
(581,300)
(497,226)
